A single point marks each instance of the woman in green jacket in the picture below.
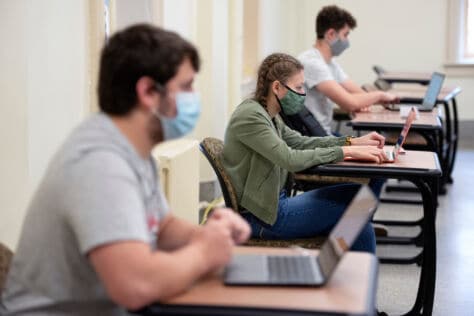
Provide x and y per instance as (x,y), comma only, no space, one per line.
(260,150)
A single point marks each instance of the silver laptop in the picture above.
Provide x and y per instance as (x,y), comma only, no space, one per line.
(302,269)
(392,155)
(431,95)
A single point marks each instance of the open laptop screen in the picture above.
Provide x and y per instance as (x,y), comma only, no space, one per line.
(403,135)
(347,230)
(433,90)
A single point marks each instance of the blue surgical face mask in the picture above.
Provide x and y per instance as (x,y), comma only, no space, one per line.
(338,46)
(188,108)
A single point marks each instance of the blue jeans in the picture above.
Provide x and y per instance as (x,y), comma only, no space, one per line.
(313,213)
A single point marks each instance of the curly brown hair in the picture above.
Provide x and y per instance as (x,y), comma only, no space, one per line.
(277,66)
(333,17)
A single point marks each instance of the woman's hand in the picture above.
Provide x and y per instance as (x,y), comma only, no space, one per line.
(364,153)
(371,139)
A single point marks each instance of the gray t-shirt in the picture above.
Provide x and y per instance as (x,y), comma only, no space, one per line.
(316,70)
(96,190)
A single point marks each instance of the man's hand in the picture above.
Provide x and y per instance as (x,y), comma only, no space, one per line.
(215,242)
(365,153)
(388,98)
(222,231)
(371,139)
(240,229)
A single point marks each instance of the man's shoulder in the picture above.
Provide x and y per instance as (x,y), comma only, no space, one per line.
(310,55)
(95,146)
(97,134)
(313,62)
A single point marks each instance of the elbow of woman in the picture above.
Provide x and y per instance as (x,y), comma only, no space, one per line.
(292,167)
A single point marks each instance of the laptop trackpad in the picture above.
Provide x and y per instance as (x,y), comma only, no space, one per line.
(247,269)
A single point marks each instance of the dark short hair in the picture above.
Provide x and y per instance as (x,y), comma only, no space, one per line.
(333,17)
(137,51)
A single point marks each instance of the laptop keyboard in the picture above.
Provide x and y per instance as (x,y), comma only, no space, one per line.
(286,269)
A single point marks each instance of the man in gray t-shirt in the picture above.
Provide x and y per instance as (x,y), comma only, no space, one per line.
(326,83)
(98,238)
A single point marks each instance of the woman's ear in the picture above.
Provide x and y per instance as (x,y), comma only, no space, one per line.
(276,87)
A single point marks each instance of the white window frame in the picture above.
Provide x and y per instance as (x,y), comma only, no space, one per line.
(456,63)
(468,55)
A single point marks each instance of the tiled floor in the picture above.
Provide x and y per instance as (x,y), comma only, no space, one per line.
(455,250)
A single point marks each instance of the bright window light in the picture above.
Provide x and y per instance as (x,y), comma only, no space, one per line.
(469,46)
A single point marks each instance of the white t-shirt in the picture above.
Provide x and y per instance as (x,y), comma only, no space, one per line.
(97,190)
(316,70)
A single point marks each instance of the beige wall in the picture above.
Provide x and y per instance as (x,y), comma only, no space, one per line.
(44,94)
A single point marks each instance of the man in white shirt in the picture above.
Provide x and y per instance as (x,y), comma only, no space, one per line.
(326,82)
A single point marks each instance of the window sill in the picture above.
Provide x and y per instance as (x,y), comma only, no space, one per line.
(459,69)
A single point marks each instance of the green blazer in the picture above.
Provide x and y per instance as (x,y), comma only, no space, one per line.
(258,154)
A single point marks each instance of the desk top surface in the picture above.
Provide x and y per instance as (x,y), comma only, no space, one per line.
(411,163)
(406,76)
(351,289)
(417,92)
(377,115)
(410,159)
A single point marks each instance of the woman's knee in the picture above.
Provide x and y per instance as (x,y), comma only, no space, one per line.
(342,192)
(366,240)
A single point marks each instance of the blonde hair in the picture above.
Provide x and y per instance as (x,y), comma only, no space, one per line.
(276,67)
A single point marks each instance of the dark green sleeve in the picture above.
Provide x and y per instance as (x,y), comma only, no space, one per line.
(256,131)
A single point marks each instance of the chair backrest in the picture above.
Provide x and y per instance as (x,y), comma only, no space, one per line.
(304,122)
(212,149)
(5,259)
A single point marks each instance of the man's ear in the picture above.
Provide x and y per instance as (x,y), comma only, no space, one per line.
(147,94)
(331,34)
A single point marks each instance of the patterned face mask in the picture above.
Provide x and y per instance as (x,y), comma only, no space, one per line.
(293,102)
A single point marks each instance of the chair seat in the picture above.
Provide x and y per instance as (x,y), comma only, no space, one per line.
(327,179)
(341,115)
(5,259)
(310,243)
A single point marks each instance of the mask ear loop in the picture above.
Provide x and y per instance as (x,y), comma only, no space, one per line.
(276,96)
(301,94)
(162,91)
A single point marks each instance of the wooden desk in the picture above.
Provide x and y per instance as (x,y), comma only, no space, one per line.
(406,77)
(422,169)
(350,291)
(447,97)
(428,125)
(377,116)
